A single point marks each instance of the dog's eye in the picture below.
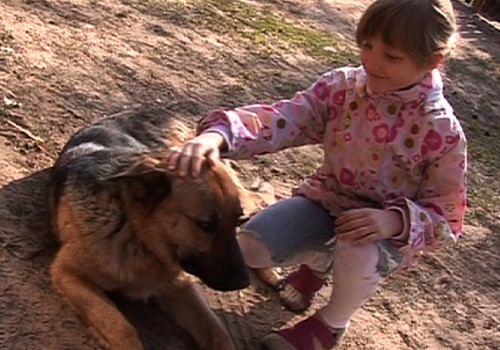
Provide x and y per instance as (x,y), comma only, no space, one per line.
(209,226)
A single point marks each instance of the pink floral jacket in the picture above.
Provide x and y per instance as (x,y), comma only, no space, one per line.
(403,150)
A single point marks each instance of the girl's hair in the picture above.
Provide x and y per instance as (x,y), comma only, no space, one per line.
(421,28)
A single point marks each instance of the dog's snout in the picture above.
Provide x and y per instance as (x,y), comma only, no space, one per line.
(239,280)
(220,269)
(232,276)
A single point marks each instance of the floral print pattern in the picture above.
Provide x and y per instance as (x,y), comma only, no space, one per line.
(404,150)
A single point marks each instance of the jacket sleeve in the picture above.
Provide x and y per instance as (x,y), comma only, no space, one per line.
(259,128)
(435,217)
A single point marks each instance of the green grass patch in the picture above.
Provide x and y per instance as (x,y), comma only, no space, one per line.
(263,31)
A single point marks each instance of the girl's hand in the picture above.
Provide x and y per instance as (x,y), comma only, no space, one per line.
(368,225)
(190,156)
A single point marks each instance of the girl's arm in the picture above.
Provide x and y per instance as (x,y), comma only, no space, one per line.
(258,129)
(435,218)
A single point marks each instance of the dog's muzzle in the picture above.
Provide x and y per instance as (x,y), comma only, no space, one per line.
(225,274)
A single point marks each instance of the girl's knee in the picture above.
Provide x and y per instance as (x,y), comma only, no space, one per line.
(255,253)
(354,257)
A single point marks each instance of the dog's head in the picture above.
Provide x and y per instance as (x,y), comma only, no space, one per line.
(187,222)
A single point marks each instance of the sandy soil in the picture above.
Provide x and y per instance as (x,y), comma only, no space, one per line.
(64,64)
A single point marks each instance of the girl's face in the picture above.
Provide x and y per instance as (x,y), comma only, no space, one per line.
(387,68)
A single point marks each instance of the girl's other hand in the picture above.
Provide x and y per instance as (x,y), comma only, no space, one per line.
(189,157)
(368,225)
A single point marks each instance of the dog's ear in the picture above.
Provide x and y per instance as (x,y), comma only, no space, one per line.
(146,179)
(151,187)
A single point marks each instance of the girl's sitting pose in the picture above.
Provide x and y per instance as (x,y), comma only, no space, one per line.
(392,182)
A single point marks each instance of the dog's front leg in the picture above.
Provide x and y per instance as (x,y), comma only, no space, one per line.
(190,311)
(94,308)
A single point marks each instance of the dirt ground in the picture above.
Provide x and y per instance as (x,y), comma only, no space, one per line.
(64,64)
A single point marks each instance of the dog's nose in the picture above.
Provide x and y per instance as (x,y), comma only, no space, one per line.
(226,275)
(240,280)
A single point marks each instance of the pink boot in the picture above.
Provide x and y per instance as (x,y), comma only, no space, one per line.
(298,289)
(309,334)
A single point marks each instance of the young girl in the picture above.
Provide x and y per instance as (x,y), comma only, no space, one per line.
(392,182)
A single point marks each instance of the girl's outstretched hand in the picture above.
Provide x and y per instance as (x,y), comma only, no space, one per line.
(189,157)
(368,225)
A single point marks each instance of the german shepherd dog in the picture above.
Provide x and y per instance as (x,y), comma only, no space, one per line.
(128,225)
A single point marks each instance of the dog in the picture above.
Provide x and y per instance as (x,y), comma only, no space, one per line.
(126,224)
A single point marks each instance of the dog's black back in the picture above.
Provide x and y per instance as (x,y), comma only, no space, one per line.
(137,131)
(103,149)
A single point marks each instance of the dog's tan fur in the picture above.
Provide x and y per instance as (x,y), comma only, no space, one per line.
(127,225)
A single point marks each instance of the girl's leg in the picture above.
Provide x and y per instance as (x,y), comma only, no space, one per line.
(257,255)
(291,232)
(356,275)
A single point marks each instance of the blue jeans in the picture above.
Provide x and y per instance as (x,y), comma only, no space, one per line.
(292,226)
(297,226)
